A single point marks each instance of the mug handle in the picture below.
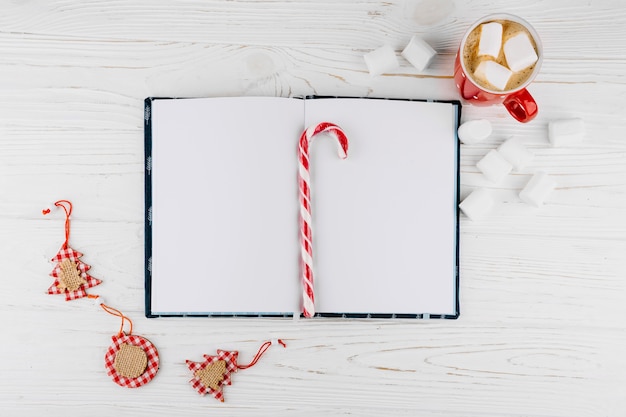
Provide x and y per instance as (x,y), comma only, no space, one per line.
(521,105)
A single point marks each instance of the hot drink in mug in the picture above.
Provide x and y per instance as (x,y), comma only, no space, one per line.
(498,57)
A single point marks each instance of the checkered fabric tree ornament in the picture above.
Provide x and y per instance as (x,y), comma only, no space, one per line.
(215,371)
(70,273)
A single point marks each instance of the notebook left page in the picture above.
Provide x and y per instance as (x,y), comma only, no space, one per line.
(224,219)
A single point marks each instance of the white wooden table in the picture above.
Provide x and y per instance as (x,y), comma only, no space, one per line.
(542,329)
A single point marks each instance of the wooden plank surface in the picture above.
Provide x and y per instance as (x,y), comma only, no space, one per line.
(543,291)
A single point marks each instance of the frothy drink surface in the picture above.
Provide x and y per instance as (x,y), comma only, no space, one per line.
(471,58)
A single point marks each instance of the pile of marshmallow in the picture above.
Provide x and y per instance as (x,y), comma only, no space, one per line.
(419,53)
(512,155)
(518,52)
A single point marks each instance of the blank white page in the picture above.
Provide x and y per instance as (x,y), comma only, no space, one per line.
(224,205)
(385,218)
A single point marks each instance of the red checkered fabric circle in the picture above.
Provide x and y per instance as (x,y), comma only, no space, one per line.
(231,366)
(148,348)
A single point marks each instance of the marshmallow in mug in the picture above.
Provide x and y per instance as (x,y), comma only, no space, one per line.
(493,73)
(519,52)
(490,41)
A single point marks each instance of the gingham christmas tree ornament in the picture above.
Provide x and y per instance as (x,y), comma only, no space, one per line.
(70,273)
(214,372)
(210,375)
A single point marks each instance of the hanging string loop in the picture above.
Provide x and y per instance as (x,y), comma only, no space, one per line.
(261,351)
(66,205)
(114,312)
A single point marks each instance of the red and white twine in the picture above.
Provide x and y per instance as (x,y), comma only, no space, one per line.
(306,238)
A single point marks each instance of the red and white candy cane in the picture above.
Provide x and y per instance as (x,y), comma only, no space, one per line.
(306,239)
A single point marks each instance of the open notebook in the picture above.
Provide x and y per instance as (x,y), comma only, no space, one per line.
(222,209)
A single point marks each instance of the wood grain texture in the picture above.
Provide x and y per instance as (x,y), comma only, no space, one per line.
(542,330)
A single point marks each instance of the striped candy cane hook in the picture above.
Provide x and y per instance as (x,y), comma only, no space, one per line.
(306,239)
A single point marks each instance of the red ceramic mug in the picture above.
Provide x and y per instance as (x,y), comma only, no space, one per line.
(518,101)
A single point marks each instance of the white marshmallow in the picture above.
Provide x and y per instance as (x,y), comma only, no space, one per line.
(494,166)
(516,153)
(478,204)
(490,39)
(419,53)
(381,60)
(519,52)
(537,189)
(566,132)
(474,131)
(493,73)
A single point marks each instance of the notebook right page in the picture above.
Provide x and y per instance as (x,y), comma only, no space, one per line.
(385,220)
